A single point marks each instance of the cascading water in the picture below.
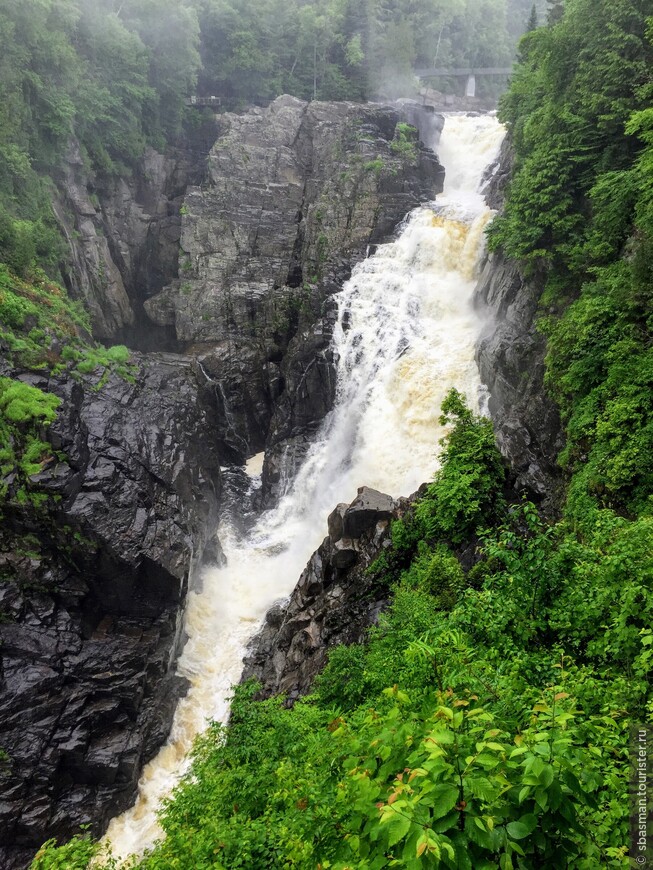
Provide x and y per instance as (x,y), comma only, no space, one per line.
(405,335)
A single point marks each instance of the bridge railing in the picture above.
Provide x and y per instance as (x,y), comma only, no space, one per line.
(443,72)
(203,101)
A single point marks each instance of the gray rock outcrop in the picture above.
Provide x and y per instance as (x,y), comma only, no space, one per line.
(91,600)
(335,600)
(123,234)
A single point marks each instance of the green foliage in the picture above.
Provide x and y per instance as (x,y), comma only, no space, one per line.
(25,413)
(376,166)
(405,141)
(75,855)
(22,404)
(567,107)
(41,330)
(467,793)
(467,492)
(484,723)
(252,50)
(579,215)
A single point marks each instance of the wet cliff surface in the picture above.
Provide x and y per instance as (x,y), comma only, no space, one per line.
(93,584)
(234,268)
(510,356)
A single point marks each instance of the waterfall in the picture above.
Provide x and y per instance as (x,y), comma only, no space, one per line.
(405,335)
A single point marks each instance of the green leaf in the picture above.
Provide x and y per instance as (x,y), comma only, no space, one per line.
(523,828)
(398,827)
(546,775)
(505,862)
(445,798)
(541,798)
(445,824)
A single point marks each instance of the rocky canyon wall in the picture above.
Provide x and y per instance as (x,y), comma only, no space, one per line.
(92,592)
(231,263)
(295,194)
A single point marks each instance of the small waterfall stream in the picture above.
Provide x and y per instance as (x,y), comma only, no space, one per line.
(405,334)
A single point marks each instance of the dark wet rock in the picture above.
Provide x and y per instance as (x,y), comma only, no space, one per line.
(510,356)
(335,601)
(368,508)
(428,122)
(92,593)
(498,175)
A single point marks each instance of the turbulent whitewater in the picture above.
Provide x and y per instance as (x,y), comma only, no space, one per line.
(405,335)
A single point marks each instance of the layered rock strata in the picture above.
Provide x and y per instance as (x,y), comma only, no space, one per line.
(294,195)
(123,233)
(91,599)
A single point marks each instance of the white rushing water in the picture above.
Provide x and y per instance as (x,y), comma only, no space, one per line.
(405,335)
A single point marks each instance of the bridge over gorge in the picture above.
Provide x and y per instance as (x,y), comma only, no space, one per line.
(468,73)
(199,102)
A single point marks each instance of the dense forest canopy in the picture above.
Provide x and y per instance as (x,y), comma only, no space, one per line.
(116,75)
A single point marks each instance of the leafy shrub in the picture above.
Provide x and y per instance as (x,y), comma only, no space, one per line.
(467,492)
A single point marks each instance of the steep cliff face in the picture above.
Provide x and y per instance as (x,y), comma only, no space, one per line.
(123,234)
(510,355)
(92,592)
(295,194)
